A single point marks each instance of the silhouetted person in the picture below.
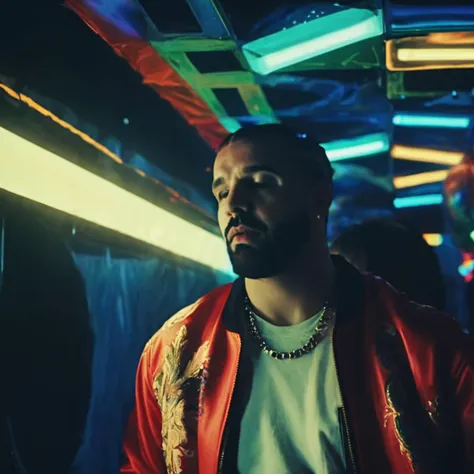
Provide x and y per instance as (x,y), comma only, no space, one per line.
(46,351)
(399,255)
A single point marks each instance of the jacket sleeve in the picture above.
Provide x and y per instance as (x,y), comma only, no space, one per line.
(143,441)
(463,374)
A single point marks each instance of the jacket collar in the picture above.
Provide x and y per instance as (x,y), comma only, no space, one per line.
(348,295)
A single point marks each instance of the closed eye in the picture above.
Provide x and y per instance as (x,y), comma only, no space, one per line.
(222,195)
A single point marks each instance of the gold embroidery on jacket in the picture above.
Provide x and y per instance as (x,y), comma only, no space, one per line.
(170,392)
(391,411)
(177,318)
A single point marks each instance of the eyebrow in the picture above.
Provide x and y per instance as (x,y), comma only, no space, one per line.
(247,170)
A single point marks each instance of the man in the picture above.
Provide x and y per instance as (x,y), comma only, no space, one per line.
(303,365)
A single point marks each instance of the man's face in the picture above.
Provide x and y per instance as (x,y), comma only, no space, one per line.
(263,209)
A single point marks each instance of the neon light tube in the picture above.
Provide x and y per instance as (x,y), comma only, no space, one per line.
(427,155)
(445,50)
(435,54)
(435,121)
(311,39)
(34,173)
(418,201)
(420,19)
(358,147)
(411,180)
(434,240)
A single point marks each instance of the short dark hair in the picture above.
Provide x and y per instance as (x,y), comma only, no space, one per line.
(308,150)
(399,255)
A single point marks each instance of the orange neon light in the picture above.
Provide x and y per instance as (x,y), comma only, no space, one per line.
(411,180)
(435,240)
(426,155)
(34,105)
(435,51)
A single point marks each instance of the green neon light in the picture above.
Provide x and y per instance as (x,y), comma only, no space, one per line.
(311,39)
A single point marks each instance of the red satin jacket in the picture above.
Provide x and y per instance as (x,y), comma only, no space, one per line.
(406,375)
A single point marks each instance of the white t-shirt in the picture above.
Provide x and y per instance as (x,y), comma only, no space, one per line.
(291,422)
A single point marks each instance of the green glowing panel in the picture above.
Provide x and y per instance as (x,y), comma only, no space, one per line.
(312,39)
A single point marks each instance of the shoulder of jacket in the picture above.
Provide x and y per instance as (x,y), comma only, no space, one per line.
(185,316)
(432,322)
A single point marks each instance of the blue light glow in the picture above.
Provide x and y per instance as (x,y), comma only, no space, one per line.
(435,121)
(418,201)
(431,18)
(358,147)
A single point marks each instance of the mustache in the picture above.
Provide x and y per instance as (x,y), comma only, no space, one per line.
(246,220)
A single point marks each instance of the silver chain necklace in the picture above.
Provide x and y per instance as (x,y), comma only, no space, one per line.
(318,335)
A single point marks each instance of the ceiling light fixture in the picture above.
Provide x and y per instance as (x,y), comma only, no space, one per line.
(400,182)
(434,121)
(426,155)
(311,39)
(433,51)
(418,201)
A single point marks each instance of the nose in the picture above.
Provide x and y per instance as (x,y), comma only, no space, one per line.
(238,200)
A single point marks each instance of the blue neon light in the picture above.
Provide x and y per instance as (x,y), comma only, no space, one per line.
(436,121)
(449,18)
(418,201)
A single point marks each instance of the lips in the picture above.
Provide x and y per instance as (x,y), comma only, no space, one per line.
(241,230)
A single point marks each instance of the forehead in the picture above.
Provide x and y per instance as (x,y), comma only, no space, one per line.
(237,157)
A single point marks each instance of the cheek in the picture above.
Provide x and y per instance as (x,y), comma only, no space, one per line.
(222,220)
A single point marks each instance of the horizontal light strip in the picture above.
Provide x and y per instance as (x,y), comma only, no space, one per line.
(36,174)
(40,109)
(400,182)
(357,147)
(427,155)
(98,146)
(435,54)
(313,38)
(418,201)
(435,240)
(435,121)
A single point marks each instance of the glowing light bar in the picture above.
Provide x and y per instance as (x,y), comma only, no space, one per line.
(422,19)
(435,121)
(435,54)
(427,155)
(418,201)
(311,39)
(400,182)
(357,147)
(30,171)
(434,240)
(433,51)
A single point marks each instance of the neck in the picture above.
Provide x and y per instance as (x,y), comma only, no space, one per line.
(296,295)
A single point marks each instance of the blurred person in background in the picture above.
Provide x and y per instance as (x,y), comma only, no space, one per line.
(399,255)
(46,345)
(304,364)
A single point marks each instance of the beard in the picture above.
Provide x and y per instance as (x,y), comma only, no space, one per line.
(273,252)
